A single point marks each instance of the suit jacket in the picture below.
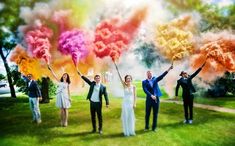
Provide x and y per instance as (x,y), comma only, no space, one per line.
(33,89)
(155,90)
(186,84)
(102,90)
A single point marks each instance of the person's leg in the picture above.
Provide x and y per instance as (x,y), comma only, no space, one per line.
(131,121)
(93,119)
(99,115)
(155,114)
(66,117)
(147,114)
(31,105)
(191,107)
(62,117)
(185,100)
(37,110)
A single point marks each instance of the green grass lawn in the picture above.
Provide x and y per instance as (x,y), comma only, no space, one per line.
(228,102)
(16,129)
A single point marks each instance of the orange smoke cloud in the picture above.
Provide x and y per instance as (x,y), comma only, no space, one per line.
(27,65)
(220,50)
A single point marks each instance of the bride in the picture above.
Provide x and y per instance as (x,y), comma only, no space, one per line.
(128,105)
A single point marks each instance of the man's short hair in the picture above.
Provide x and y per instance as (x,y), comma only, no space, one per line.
(97,75)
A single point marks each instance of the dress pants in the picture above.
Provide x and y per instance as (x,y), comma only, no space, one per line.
(96,108)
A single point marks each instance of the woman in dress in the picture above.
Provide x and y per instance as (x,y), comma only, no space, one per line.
(128,105)
(63,100)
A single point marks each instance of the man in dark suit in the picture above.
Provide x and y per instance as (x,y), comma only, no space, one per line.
(34,94)
(188,89)
(96,91)
(152,90)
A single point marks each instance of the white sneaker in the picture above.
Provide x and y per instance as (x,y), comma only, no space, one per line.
(190,121)
(39,121)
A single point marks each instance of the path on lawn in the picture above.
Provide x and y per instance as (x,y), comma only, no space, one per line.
(203,106)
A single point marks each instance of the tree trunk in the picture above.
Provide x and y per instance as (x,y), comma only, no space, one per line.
(9,77)
(45,90)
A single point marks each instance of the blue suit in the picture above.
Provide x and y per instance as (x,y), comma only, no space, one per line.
(150,103)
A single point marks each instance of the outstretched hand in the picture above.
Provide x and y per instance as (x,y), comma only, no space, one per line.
(203,64)
(171,67)
(48,66)
(79,73)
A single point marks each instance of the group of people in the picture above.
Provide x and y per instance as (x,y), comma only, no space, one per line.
(97,91)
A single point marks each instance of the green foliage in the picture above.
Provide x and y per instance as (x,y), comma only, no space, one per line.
(148,54)
(18,80)
(51,85)
(223,85)
(2,77)
(228,102)
(213,16)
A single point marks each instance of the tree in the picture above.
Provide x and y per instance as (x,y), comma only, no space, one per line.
(223,85)
(48,89)
(212,15)
(9,22)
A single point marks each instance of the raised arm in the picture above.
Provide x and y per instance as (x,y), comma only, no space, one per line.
(84,78)
(25,78)
(53,73)
(197,71)
(119,75)
(159,78)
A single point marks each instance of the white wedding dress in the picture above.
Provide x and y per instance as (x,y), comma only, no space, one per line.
(128,116)
(62,96)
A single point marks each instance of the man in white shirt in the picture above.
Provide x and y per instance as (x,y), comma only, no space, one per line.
(95,96)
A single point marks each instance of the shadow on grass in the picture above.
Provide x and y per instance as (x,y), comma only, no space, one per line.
(92,136)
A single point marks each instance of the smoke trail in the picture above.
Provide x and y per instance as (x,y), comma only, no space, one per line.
(219,48)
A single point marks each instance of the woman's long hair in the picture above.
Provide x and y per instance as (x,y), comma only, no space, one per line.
(67,80)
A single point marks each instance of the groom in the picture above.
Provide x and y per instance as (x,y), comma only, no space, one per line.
(151,89)
(95,96)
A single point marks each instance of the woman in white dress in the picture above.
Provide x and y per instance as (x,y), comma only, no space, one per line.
(128,105)
(63,100)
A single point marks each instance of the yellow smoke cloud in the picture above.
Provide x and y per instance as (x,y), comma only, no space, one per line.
(174,38)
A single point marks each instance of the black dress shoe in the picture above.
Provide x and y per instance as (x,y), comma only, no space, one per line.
(93,131)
